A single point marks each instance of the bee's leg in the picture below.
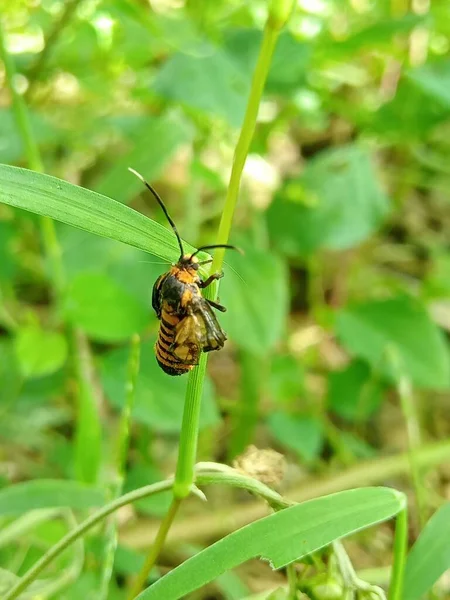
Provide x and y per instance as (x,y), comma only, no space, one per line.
(211,278)
(216,305)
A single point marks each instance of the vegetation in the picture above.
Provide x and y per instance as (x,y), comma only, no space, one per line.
(313,135)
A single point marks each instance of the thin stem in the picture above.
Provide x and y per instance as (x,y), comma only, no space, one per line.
(292,581)
(22,116)
(279,12)
(400,550)
(155,549)
(271,33)
(51,39)
(118,476)
(79,531)
(406,396)
(187,452)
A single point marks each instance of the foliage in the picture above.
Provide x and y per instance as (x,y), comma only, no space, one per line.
(338,306)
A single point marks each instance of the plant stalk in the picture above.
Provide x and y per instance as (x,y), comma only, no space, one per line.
(400,551)
(155,549)
(279,13)
(22,116)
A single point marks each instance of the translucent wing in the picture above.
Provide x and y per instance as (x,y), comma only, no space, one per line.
(210,334)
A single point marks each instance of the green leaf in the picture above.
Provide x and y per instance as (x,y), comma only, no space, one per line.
(304,435)
(289,63)
(256,297)
(368,330)
(39,352)
(281,538)
(286,381)
(10,380)
(88,437)
(336,204)
(31,495)
(159,398)
(86,210)
(433,80)
(209,81)
(105,311)
(429,558)
(140,475)
(353,392)
(167,133)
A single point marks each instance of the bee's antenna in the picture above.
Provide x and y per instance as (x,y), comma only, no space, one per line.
(161,203)
(216,246)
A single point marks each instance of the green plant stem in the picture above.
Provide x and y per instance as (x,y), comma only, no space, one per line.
(118,475)
(51,246)
(405,394)
(369,472)
(187,452)
(292,581)
(271,32)
(155,549)
(400,551)
(33,573)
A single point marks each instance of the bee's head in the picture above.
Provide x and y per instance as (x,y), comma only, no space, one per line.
(188,262)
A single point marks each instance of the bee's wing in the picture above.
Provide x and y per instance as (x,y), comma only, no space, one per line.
(187,346)
(210,334)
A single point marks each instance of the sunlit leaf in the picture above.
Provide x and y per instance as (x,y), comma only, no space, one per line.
(336,204)
(369,329)
(86,210)
(281,538)
(429,558)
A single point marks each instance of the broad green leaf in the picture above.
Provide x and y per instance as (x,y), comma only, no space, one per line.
(76,206)
(354,392)
(140,475)
(289,63)
(103,309)
(209,81)
(255,293)
(369,329)
(159,397)
(433,80)
(286,381)
(429,558)
(336,204)
(39,352)
(302,434)
(281,538)
(48,493)
(166,135)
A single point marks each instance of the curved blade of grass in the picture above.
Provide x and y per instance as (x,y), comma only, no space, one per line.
(85,209)
(430,555)
(50,493)
(282,538)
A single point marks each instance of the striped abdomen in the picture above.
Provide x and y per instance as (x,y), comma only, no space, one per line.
(165,357)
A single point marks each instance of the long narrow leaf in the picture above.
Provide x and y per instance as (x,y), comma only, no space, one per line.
(281,538)
(68,203)
(48,493)
(430,555)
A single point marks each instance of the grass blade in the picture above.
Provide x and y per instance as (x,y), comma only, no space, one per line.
(281,538)
(76,206)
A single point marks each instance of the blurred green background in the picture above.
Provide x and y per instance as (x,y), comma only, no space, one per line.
(344,217)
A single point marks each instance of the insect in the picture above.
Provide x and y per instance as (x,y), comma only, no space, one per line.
(188,324)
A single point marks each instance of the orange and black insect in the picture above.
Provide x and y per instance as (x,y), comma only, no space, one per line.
(188,325)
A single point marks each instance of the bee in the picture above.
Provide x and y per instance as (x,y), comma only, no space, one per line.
(188,324)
